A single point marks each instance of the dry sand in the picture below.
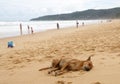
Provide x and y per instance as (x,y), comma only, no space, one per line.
(19,65)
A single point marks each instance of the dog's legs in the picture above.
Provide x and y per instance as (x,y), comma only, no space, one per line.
(64,67)
(53,69)
(62,70)
(44,68)
(59,72)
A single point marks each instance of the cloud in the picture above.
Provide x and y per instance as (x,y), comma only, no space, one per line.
(27,9)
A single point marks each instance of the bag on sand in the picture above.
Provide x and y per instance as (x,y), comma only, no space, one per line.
(11,44)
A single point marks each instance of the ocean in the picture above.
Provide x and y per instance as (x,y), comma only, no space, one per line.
(10,29)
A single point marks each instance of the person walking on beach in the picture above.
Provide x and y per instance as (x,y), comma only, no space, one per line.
(58,26)
(28,29)
(83,24)
(77,23)
(20,29)
(32,30)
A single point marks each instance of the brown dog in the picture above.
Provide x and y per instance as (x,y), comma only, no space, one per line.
(63,65)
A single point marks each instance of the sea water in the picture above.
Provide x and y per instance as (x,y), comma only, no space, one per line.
(10,29)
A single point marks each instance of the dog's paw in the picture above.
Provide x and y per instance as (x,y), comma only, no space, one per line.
(49,72)
(54,73)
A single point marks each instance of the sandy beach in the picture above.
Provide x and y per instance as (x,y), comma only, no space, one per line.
(20,65)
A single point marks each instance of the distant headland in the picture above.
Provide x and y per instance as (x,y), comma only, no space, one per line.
(91,14)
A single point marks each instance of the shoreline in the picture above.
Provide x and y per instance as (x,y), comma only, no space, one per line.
(39,26)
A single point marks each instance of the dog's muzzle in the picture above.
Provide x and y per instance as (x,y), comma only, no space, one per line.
(86,69)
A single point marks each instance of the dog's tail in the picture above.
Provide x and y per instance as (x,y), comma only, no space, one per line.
(44,68)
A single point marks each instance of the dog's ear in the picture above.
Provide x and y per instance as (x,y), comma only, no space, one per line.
(89,58)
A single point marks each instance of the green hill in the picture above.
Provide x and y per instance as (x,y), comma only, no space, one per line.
(84,15)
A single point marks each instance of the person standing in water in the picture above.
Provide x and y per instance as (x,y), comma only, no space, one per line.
(83,24)
(77,24)
(58,27)
(32,30)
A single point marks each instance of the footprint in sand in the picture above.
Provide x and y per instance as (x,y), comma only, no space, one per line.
(103,58)
(96,83)
(0,55)
(118,55)
(60,82)
(113,57)
(69,82)
(63,82)
(101,63)
(16,61)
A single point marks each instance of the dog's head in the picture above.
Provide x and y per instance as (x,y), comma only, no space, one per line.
(87,65)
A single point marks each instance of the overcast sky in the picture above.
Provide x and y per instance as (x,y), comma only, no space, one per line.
(20,10)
